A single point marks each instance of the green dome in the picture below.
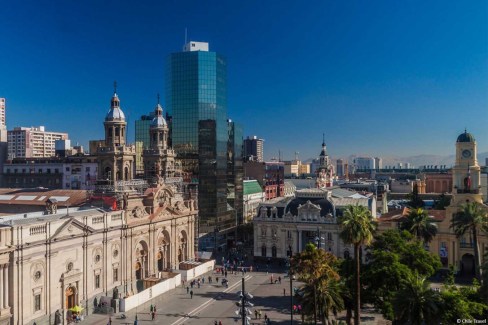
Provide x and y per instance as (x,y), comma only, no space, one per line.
(465,137)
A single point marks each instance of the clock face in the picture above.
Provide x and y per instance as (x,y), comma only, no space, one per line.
(466,153)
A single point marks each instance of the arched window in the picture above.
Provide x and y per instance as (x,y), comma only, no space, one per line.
(126,173)
(263,251)
(274,251)
(347,255)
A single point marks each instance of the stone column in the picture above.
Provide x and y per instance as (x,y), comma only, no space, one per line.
(5,280)
(2,288)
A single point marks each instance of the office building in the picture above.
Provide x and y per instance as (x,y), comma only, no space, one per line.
(235,170)
(33,142)
(3,136)
(340,167)
(142,140)
(196,97)
(253,149)
(3,121)
(364,163)
(378,163)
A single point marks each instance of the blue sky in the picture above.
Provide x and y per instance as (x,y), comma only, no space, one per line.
(378,77)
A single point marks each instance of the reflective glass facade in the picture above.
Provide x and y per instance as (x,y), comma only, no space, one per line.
(196,96)
(142,140)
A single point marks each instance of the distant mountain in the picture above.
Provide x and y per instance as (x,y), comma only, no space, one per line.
(416,161)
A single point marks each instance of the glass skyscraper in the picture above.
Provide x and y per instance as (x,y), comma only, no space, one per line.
(142,140)
(196,95)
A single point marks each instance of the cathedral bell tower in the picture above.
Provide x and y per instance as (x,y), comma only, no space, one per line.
(466,171)
(159,159)
(325,171)
(116,160)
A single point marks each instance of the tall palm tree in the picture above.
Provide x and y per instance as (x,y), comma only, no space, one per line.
(357,228)
(416,303)
(419,224)
(472,218)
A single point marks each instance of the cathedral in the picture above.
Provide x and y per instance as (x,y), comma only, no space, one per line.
(51,261)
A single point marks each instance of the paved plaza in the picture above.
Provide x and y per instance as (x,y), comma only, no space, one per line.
(214,302)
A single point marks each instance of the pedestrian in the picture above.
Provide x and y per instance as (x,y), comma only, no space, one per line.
(110,321)
(271,279)
(152,315)
(265,318)
(220,322)
(151,308)
(284,292)
(154,310)
(279,279)
(198,284)
(255,314)
(259,314)
(203,280)
(191,284)
(191,294)
(226,274)
(216,323)
(187,289)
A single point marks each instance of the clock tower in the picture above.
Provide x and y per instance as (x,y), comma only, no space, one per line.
(466,171)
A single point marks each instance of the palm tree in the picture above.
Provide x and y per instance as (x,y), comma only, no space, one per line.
(357,228)
(416,303)
(471,218)
(314,266)
(326,294)
(419,224)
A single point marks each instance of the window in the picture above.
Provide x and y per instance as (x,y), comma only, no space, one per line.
(97,258)
(37,302)
(67,169)
(329,236)
(87,169)
(116,275)
(97,281)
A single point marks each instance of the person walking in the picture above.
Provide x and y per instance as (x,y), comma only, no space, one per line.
(284,292)
(198,284)
(191,294)
(220,322)
(259,314)
(265,318)
(187,289)
(255,314)
(110,321)
(151,308)
(152,315)
(279,279)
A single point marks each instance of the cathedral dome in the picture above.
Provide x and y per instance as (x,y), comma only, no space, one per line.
(115,113)
(465,137)
(158,120)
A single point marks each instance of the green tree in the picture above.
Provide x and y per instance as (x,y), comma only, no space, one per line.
(395,256)
(462,303)
(314,267)
(415,199)
(416,303)
(472,218)
(346,271)
(357,228)
(327,294)
(420,225)
(442,202)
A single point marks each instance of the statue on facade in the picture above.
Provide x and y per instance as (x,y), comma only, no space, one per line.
(57,318)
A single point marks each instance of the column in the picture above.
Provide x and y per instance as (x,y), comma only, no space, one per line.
(1,287)
(299,241)
(5,280)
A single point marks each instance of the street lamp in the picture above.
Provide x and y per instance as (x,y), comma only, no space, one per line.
(292,277)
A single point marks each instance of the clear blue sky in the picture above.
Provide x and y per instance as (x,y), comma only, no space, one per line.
(378,77)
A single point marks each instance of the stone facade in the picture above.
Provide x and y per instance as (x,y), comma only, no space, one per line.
(285,226)
(52,263)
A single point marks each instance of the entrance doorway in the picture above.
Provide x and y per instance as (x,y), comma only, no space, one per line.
(70,297)
(138,271)
(467,265)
